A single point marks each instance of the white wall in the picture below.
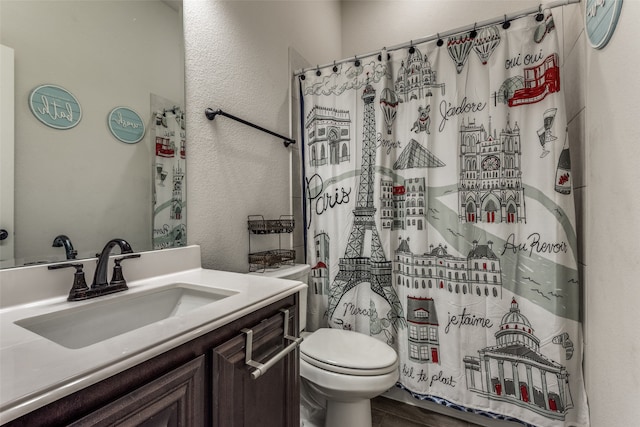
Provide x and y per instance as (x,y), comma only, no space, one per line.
(370,25)
(237,56)
(611,230)
(83,182)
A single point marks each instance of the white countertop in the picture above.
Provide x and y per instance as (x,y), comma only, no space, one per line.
(35,371)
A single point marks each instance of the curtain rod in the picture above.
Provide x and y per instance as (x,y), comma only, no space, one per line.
(474,26)
(211,114)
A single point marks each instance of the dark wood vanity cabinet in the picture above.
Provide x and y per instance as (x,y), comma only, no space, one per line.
(175,399)
(239,399)
(204,382)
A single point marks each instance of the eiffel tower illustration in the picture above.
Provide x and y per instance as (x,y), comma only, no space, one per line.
(355,267)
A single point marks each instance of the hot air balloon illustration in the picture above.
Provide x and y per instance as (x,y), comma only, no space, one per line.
(459,47)
(389,106)
(487,40)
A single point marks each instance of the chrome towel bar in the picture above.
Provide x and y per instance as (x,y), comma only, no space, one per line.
(261,368)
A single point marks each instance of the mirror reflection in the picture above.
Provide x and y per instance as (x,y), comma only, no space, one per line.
(74,189)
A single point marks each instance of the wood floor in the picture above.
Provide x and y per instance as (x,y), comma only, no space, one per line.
(390,413)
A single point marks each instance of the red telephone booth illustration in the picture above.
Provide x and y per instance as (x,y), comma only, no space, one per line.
(434,355)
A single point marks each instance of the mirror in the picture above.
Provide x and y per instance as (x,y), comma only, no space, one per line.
(85,182)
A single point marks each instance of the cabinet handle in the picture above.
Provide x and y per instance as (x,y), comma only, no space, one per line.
(261,368)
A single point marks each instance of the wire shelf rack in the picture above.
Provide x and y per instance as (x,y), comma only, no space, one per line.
(259,261)
(259,225)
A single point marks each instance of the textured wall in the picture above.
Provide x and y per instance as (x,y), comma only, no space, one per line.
(237,59)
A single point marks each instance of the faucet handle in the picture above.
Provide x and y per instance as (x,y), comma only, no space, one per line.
(79,288)
(127,257)
(117,279)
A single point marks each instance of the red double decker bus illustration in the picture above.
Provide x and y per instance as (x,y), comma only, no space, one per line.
(163,147)
(539,81)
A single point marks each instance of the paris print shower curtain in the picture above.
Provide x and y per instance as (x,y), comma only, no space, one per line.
(439,217)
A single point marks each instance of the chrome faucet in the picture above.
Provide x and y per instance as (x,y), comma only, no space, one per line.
(62,240)
(100,277)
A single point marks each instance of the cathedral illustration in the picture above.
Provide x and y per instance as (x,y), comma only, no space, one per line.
(490,185)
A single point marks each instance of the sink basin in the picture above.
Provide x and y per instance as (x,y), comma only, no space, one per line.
(101,319)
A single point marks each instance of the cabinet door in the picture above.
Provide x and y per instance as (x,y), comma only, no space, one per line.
(175,399)
(272,399)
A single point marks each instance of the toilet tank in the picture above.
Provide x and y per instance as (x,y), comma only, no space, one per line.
(298,272)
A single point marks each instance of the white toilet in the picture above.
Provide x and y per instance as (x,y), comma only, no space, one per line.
(346,368)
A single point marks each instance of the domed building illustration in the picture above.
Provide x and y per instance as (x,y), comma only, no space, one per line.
(416,78)
(515,371)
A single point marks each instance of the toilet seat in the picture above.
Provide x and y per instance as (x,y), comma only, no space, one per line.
(347,352)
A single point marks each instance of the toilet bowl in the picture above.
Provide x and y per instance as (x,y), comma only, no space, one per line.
(345,368)
(348,369)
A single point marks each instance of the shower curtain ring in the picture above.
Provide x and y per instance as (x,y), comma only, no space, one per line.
(439,42)
(540,15)
(335,67)
(411,48)
(506,24)
(318,73)
(357,61)
(473,32)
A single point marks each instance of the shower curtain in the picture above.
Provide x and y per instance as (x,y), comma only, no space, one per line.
(440,219)
(169,216)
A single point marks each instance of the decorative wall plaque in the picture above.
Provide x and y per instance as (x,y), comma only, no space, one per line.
(126,125)
(54,106)
(601,18)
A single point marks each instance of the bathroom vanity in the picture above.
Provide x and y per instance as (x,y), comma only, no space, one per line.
(189,368)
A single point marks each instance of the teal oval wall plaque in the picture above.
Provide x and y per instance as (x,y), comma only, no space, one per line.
(126,125)
(601,18)
(54,106)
